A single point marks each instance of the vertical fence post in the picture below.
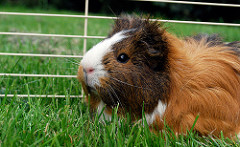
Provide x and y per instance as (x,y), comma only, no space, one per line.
(85,28)
(85,32)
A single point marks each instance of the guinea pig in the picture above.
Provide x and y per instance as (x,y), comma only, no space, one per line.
(142,66)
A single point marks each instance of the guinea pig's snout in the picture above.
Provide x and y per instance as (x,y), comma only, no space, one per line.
(90,76)
(88,70)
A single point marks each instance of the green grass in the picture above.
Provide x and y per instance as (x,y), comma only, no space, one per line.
(66,121)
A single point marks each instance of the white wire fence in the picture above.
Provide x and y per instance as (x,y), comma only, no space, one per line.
(85,36)
(96,17)
(193,3)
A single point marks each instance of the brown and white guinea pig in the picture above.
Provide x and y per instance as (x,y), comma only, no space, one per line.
(141,64)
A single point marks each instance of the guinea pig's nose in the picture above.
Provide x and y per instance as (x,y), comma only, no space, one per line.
(88,70)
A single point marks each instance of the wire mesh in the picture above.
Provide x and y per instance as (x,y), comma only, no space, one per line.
(85,37)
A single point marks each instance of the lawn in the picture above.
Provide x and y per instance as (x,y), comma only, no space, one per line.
(66,121)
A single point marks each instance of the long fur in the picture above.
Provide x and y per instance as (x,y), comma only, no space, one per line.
(204,81)
(195,76)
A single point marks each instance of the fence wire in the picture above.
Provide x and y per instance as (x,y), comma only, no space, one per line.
(193,3)
(85,37)
(40,96)
(100,17)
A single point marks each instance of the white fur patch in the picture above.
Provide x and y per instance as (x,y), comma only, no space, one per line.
(159,110)
(104,115)
(93,58)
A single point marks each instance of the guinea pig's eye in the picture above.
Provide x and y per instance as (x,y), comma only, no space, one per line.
(123,58)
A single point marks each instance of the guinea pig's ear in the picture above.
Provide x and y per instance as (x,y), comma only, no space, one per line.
(154,39)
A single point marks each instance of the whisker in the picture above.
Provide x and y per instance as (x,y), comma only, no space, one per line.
(129,84)
(74,61)
(69,68)
(109,93)
(30,82)
(116,95)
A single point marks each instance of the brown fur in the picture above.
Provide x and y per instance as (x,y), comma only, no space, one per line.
(146,48)
(204,82)
(193,76)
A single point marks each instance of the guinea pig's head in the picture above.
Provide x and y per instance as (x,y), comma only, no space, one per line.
(129,68)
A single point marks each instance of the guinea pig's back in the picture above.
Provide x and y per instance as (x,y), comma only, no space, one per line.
(205,81)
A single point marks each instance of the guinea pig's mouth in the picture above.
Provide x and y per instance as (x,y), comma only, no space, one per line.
(92,81)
